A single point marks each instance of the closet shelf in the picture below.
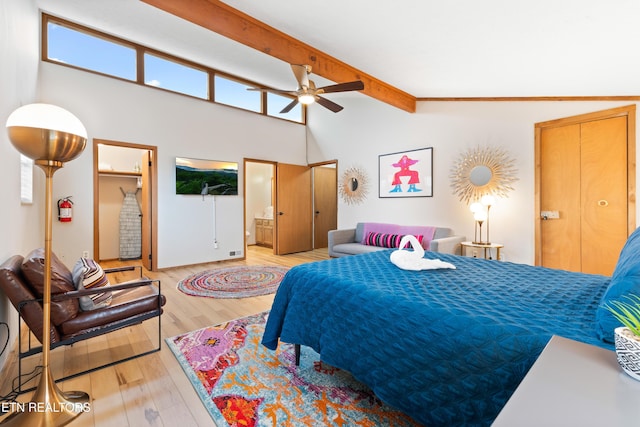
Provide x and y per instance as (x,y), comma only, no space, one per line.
(120,173)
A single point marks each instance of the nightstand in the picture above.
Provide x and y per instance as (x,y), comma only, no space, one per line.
(573,384)
(484,247)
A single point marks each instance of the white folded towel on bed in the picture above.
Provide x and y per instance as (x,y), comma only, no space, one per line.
(413,260)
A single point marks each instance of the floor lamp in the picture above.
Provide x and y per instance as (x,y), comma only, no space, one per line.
(50,136)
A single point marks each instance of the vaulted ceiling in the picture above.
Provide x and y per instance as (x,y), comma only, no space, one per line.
(407,48)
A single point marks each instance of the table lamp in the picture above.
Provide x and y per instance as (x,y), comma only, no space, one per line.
(480,217)
(488,200)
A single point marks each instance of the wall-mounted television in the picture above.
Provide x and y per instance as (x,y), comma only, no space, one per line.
(197,176)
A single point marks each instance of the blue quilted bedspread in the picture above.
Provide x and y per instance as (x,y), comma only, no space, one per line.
(447,347)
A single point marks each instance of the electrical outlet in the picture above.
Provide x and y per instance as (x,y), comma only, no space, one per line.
(238,252)
(215,245)
(474,253)
(85,254)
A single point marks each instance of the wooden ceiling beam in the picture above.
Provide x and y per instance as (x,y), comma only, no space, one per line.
(533,98)
(242,28)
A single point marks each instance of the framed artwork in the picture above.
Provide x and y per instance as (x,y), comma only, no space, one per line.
(406,173)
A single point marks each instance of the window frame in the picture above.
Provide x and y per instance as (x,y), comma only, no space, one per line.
(240,81)
(46,19)
(178,61)
(140,67)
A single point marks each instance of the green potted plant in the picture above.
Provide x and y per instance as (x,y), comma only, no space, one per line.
(627,337)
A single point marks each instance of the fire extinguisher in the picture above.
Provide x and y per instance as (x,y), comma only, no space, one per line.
(65,211)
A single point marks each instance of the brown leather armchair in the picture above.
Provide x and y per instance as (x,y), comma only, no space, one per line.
(21,280)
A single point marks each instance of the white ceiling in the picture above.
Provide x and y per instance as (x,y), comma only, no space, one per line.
(428,48)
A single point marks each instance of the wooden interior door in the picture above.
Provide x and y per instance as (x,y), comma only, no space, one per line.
(560,183)
(293,210)
(585,173)
(146,207)
(325,204)
(603,193)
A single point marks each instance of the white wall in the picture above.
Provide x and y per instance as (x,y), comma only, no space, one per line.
(22,226)
(180,127)
(367,128)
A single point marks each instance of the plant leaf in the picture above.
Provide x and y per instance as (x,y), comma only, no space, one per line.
(627,312)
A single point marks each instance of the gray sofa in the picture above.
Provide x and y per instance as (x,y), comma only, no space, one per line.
(349,241)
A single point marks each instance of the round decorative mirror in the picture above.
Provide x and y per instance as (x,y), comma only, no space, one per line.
(483,170)
(353,186)
(480,175)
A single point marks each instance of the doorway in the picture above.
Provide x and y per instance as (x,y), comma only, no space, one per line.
(259,202)
(290,208)
(125,202)
(585,190)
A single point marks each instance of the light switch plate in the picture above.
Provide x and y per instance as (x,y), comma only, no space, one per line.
(550,214)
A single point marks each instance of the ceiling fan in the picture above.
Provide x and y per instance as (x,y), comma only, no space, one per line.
(307,93)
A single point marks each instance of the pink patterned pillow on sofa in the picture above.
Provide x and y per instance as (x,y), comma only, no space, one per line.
(386,240)
(376,227)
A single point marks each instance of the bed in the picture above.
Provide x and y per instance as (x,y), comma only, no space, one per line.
(447,347)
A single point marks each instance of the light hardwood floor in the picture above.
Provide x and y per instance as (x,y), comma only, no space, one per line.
(153,390)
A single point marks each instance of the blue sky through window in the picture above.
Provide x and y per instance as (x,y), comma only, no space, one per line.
(91,52)
(170,75)
(275,103)
(234,93)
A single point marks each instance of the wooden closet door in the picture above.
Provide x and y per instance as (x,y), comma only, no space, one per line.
(603,193)
(560,184)
(584,176)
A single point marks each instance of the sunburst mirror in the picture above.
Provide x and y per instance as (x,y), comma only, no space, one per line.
(483,170)
(353,186)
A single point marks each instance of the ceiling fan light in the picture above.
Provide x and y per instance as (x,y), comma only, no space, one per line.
(306,99)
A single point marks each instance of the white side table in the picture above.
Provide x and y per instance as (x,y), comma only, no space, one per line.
(573,384)
(484,247)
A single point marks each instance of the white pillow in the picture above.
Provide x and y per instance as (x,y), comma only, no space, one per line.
(87,274)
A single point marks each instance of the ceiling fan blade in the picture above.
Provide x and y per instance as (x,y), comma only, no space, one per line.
(289,106)
(328,104)
(343,87)
(302,74)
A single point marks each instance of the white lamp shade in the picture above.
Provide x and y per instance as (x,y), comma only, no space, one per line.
(47,116)
(480,216)
(488,200)
(475,207)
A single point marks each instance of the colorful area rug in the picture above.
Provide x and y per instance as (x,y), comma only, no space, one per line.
(241,383)
(234,282)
